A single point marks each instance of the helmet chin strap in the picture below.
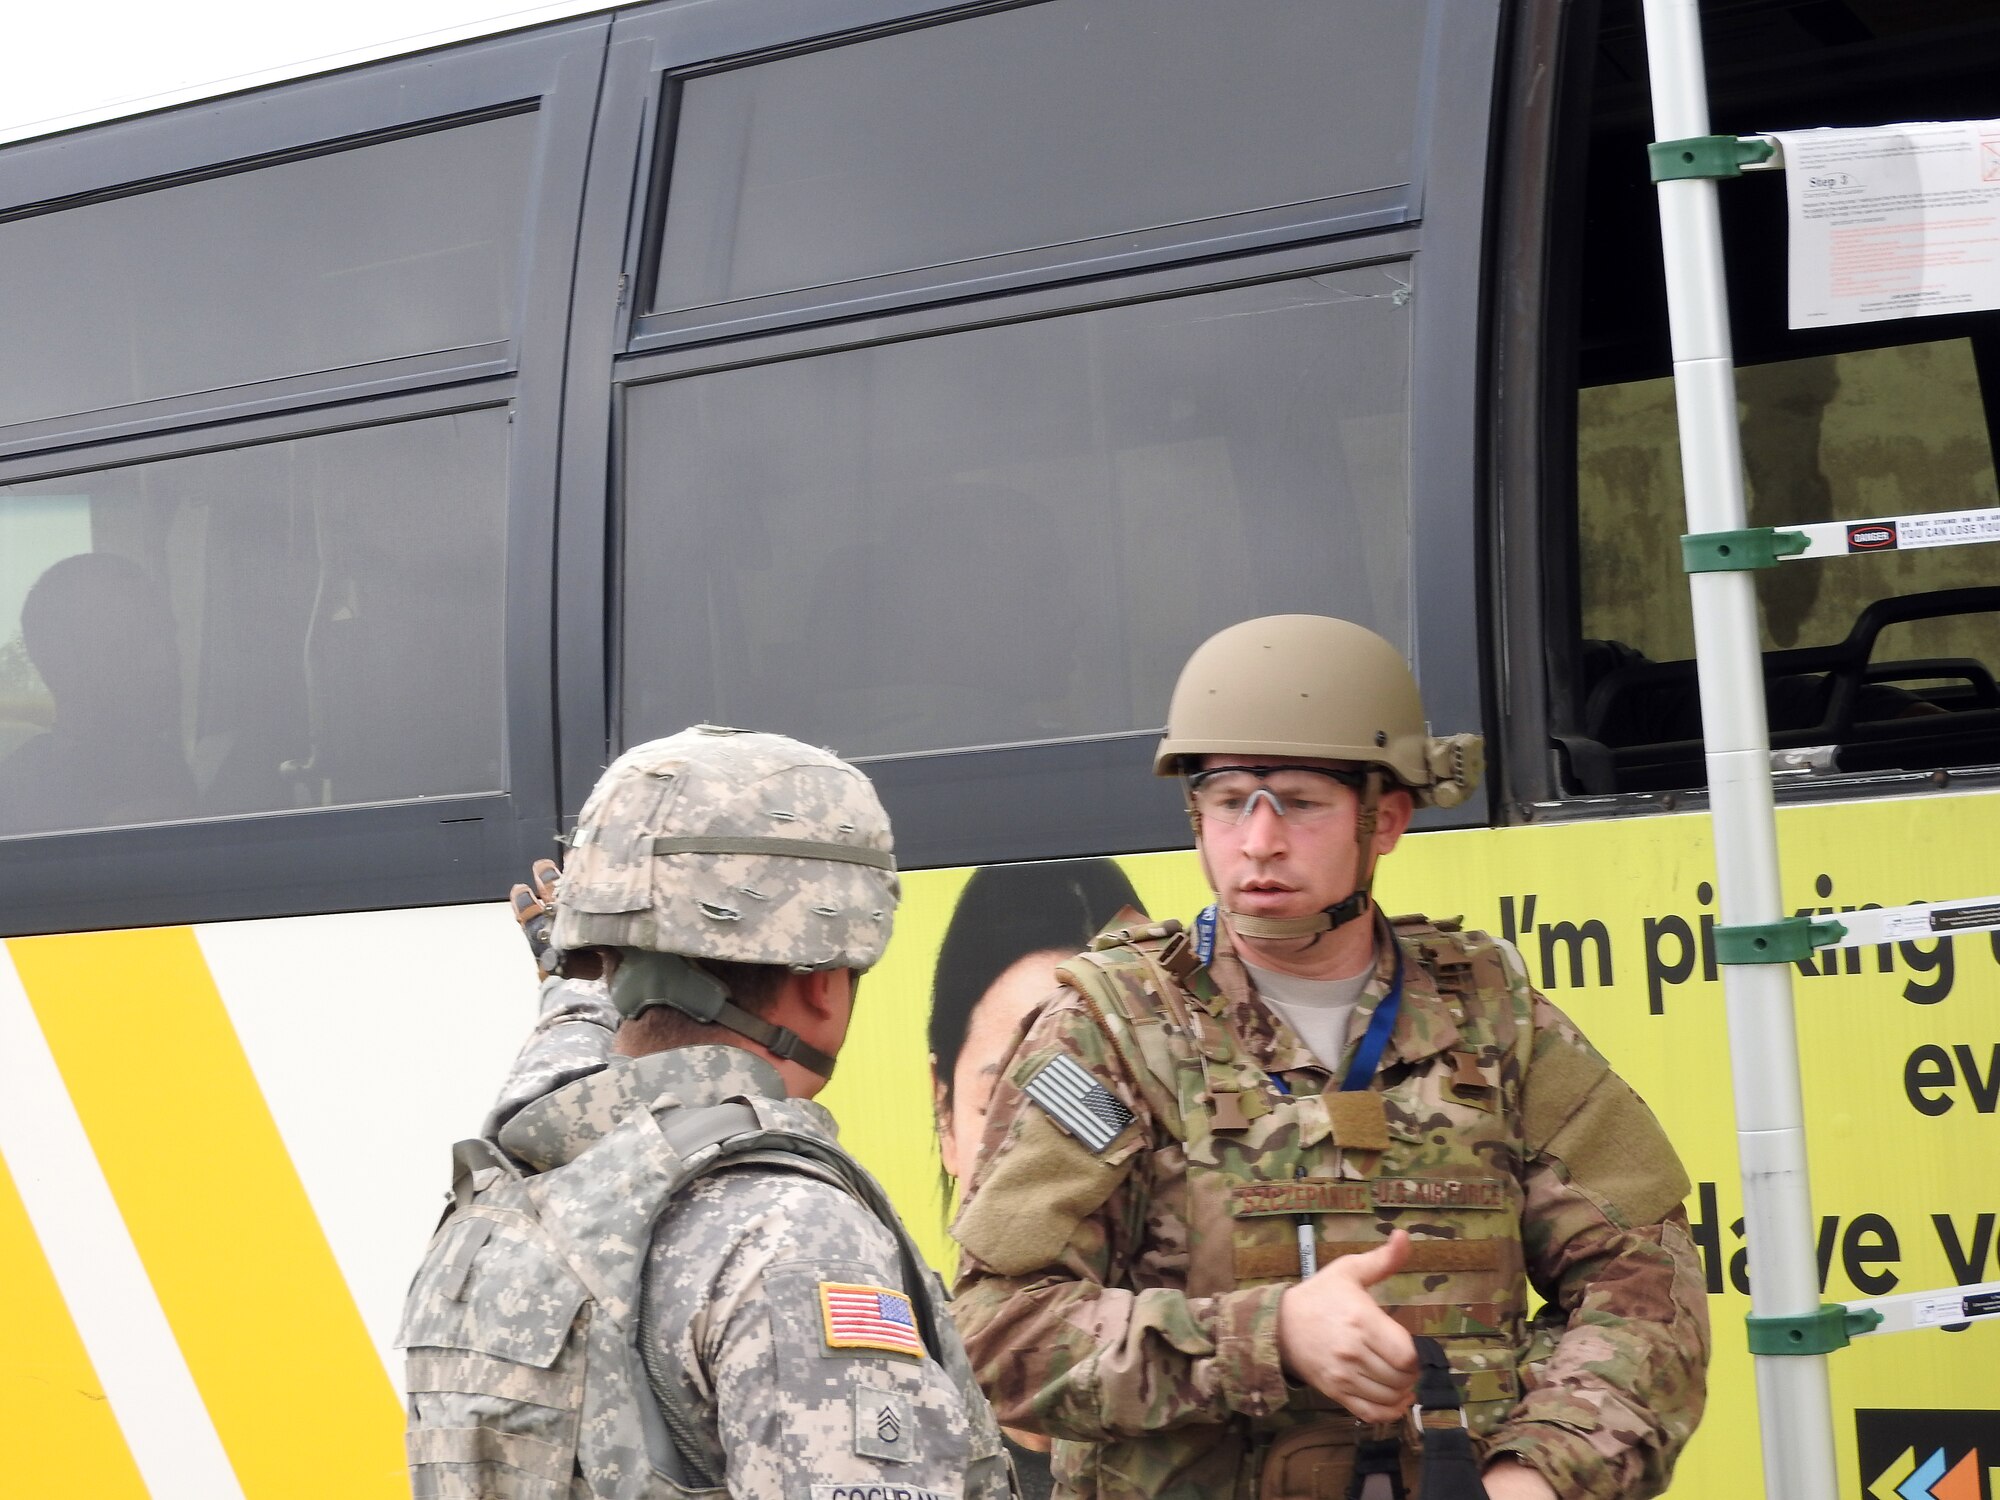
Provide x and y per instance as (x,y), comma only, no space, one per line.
(646,979)
(1343,911)
(1243,924)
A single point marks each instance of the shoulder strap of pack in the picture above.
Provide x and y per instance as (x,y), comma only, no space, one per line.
(1122,983)
(1473,978)
(1492,982)
(1115,970)
(715,1136)
(475,1166)
(748,1135)
(1112,981)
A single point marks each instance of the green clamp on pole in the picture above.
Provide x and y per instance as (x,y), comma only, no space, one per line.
(1783,942)
(1833,1327)
(1740,551)
(1706,156)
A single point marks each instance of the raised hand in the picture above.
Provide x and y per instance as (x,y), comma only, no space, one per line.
(534,909)
(1334,1336)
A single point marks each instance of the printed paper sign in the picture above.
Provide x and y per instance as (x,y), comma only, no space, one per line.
(1897,222)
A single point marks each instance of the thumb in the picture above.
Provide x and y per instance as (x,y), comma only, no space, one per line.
(1378,1264)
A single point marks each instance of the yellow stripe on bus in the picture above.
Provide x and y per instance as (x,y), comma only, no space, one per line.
(67,1442)
(236,1255)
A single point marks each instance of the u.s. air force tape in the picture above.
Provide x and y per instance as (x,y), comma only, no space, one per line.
(1077,1102)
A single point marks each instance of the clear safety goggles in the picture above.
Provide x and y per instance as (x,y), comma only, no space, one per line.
(1299,794)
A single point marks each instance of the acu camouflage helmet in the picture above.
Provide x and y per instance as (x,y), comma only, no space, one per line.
(727,844)
(1312,687)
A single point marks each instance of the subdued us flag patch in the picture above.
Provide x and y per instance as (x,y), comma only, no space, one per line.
(1077,1102)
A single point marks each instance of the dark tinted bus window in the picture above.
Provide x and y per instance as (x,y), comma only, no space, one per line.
(302,624)
(1043,125)
(402,247)
(1015,533)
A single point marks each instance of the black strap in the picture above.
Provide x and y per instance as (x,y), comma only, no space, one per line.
(672,1433)
(779,1041)
(1347,908)
(1378,1470)
(1451,1470)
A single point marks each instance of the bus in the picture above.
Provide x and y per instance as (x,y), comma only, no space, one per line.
(383,449)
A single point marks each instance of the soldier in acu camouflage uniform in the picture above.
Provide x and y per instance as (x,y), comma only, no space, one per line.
(1230,1172)
(661,1275)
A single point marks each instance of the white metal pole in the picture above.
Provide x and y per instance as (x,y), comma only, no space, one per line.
(1795,1407)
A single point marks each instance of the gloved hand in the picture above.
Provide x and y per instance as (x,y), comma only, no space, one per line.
(534,909)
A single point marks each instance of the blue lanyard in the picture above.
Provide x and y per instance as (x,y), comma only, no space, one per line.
(1204,935)
(1367,1056)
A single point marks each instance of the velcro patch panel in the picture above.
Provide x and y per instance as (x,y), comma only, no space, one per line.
(1268,1262)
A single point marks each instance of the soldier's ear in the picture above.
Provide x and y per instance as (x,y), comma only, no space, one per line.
(825,993)
(1392,818)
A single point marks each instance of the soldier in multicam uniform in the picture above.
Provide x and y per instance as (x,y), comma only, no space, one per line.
(660,1274)
(1230,1172)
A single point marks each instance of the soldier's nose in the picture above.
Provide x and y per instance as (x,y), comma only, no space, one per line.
(1263,830)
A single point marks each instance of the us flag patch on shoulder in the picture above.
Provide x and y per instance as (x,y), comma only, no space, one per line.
(868,1317)
(1077,1102)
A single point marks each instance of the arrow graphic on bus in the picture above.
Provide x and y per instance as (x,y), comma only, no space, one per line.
(1907,1479)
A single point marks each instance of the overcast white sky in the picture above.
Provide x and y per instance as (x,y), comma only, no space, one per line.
(62,60)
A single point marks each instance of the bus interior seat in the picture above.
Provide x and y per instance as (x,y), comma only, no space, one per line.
(1642,719)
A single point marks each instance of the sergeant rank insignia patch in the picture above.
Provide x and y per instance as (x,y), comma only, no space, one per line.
(882,1426)
(1077,1102)
(868,1317)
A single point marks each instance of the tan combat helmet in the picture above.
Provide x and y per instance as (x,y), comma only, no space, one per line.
(724,844)
(1309,687)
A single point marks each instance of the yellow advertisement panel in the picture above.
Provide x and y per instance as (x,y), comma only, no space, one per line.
(1899,1052)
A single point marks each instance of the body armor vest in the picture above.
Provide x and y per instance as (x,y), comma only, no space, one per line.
(525,1317)
(1433,1146)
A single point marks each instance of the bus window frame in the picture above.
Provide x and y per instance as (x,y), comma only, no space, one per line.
(408,852)
(1452,155)
(1081,795)
(1532,411)
(554,74)
(1084,795)
(737,38)
(1535,587)
(414,852)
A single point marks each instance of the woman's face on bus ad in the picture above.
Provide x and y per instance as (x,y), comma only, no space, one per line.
(989,1033)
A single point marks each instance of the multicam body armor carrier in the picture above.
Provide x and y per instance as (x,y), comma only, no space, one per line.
(1438,1151)
(522,1330)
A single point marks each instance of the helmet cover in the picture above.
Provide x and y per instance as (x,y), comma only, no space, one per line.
(729,844)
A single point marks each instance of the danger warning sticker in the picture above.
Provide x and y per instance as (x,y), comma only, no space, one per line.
(1871,536)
